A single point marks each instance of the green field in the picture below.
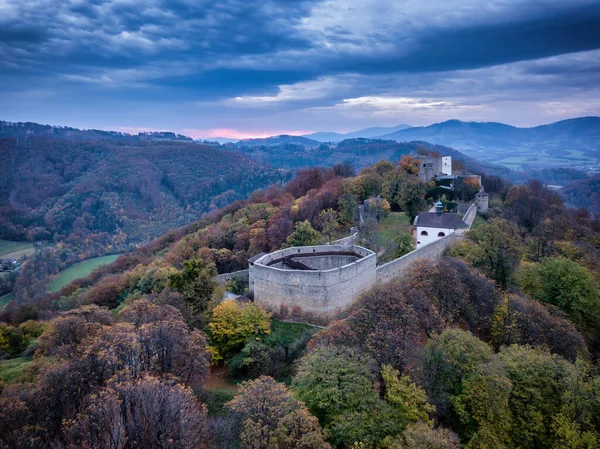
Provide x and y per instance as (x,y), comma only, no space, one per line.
(9,247)
(78,270)
(5,299)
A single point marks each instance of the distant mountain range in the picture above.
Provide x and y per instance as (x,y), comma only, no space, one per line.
(278,140)
(573,143)
(323,136)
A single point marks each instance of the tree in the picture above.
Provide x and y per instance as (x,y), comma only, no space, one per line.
(466,188)
(530,203)
(392,323)
(147,413)
(406,397)
(196,283)
(422,436)
(405,243)
(348,205)
(266,416)
(304,235)
(494,247)
(338,386)
(483,407)
(330,380)
(409,165)
(392,186)
(328,219)
(565,284)
(412,197)
(232,324)
(519,320)
(446,361)
(377,208)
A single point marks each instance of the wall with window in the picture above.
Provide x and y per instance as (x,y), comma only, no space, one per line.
(426,236)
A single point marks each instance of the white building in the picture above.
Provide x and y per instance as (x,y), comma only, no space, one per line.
(447,165)
(432,226)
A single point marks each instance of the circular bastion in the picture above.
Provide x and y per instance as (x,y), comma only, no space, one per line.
(312,284)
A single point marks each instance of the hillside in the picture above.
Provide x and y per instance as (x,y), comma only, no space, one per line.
(278,140)
(28,129)
(325,136)
(359,152)
(574,142)
(113,191)
(584,193)
(410,351)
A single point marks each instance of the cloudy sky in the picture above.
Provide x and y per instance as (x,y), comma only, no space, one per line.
(244,68)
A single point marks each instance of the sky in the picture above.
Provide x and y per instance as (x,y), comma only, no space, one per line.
(253,68)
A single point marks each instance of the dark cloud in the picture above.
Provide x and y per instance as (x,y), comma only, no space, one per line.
(204,50)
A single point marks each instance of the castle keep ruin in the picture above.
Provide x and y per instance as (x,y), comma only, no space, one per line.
(312,284)
(317,284)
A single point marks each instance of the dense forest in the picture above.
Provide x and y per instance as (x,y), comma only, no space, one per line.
(71,191)
(91,197)
(359,152)
(584,193)
(496,345)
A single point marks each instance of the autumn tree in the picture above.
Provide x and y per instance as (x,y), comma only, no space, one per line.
(168,346)
(422,436)
(267,416)
(338,385)
(147,412)
(196,283)
(519,320)
(530,203)
(392,187)
(377,208)
(393,323)
(409,165)
(232,324)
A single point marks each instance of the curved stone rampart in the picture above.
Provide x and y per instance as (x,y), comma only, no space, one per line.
(312,296)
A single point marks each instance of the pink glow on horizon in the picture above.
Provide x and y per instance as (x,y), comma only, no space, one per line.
(237,134)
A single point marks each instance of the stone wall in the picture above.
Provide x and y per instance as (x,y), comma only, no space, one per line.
(242,274)
(470,215)
(395,268)
(347,241)
(315,297)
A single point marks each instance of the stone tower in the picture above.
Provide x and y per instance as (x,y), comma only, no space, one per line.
(482,200)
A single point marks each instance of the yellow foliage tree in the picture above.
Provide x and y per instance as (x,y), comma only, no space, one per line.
(232,324)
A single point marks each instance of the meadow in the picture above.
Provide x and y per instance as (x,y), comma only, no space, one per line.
(79,270)
(9,248)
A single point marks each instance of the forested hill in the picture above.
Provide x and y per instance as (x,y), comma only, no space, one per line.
(584,193)
(25,130)
(361,152)
(111,192)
